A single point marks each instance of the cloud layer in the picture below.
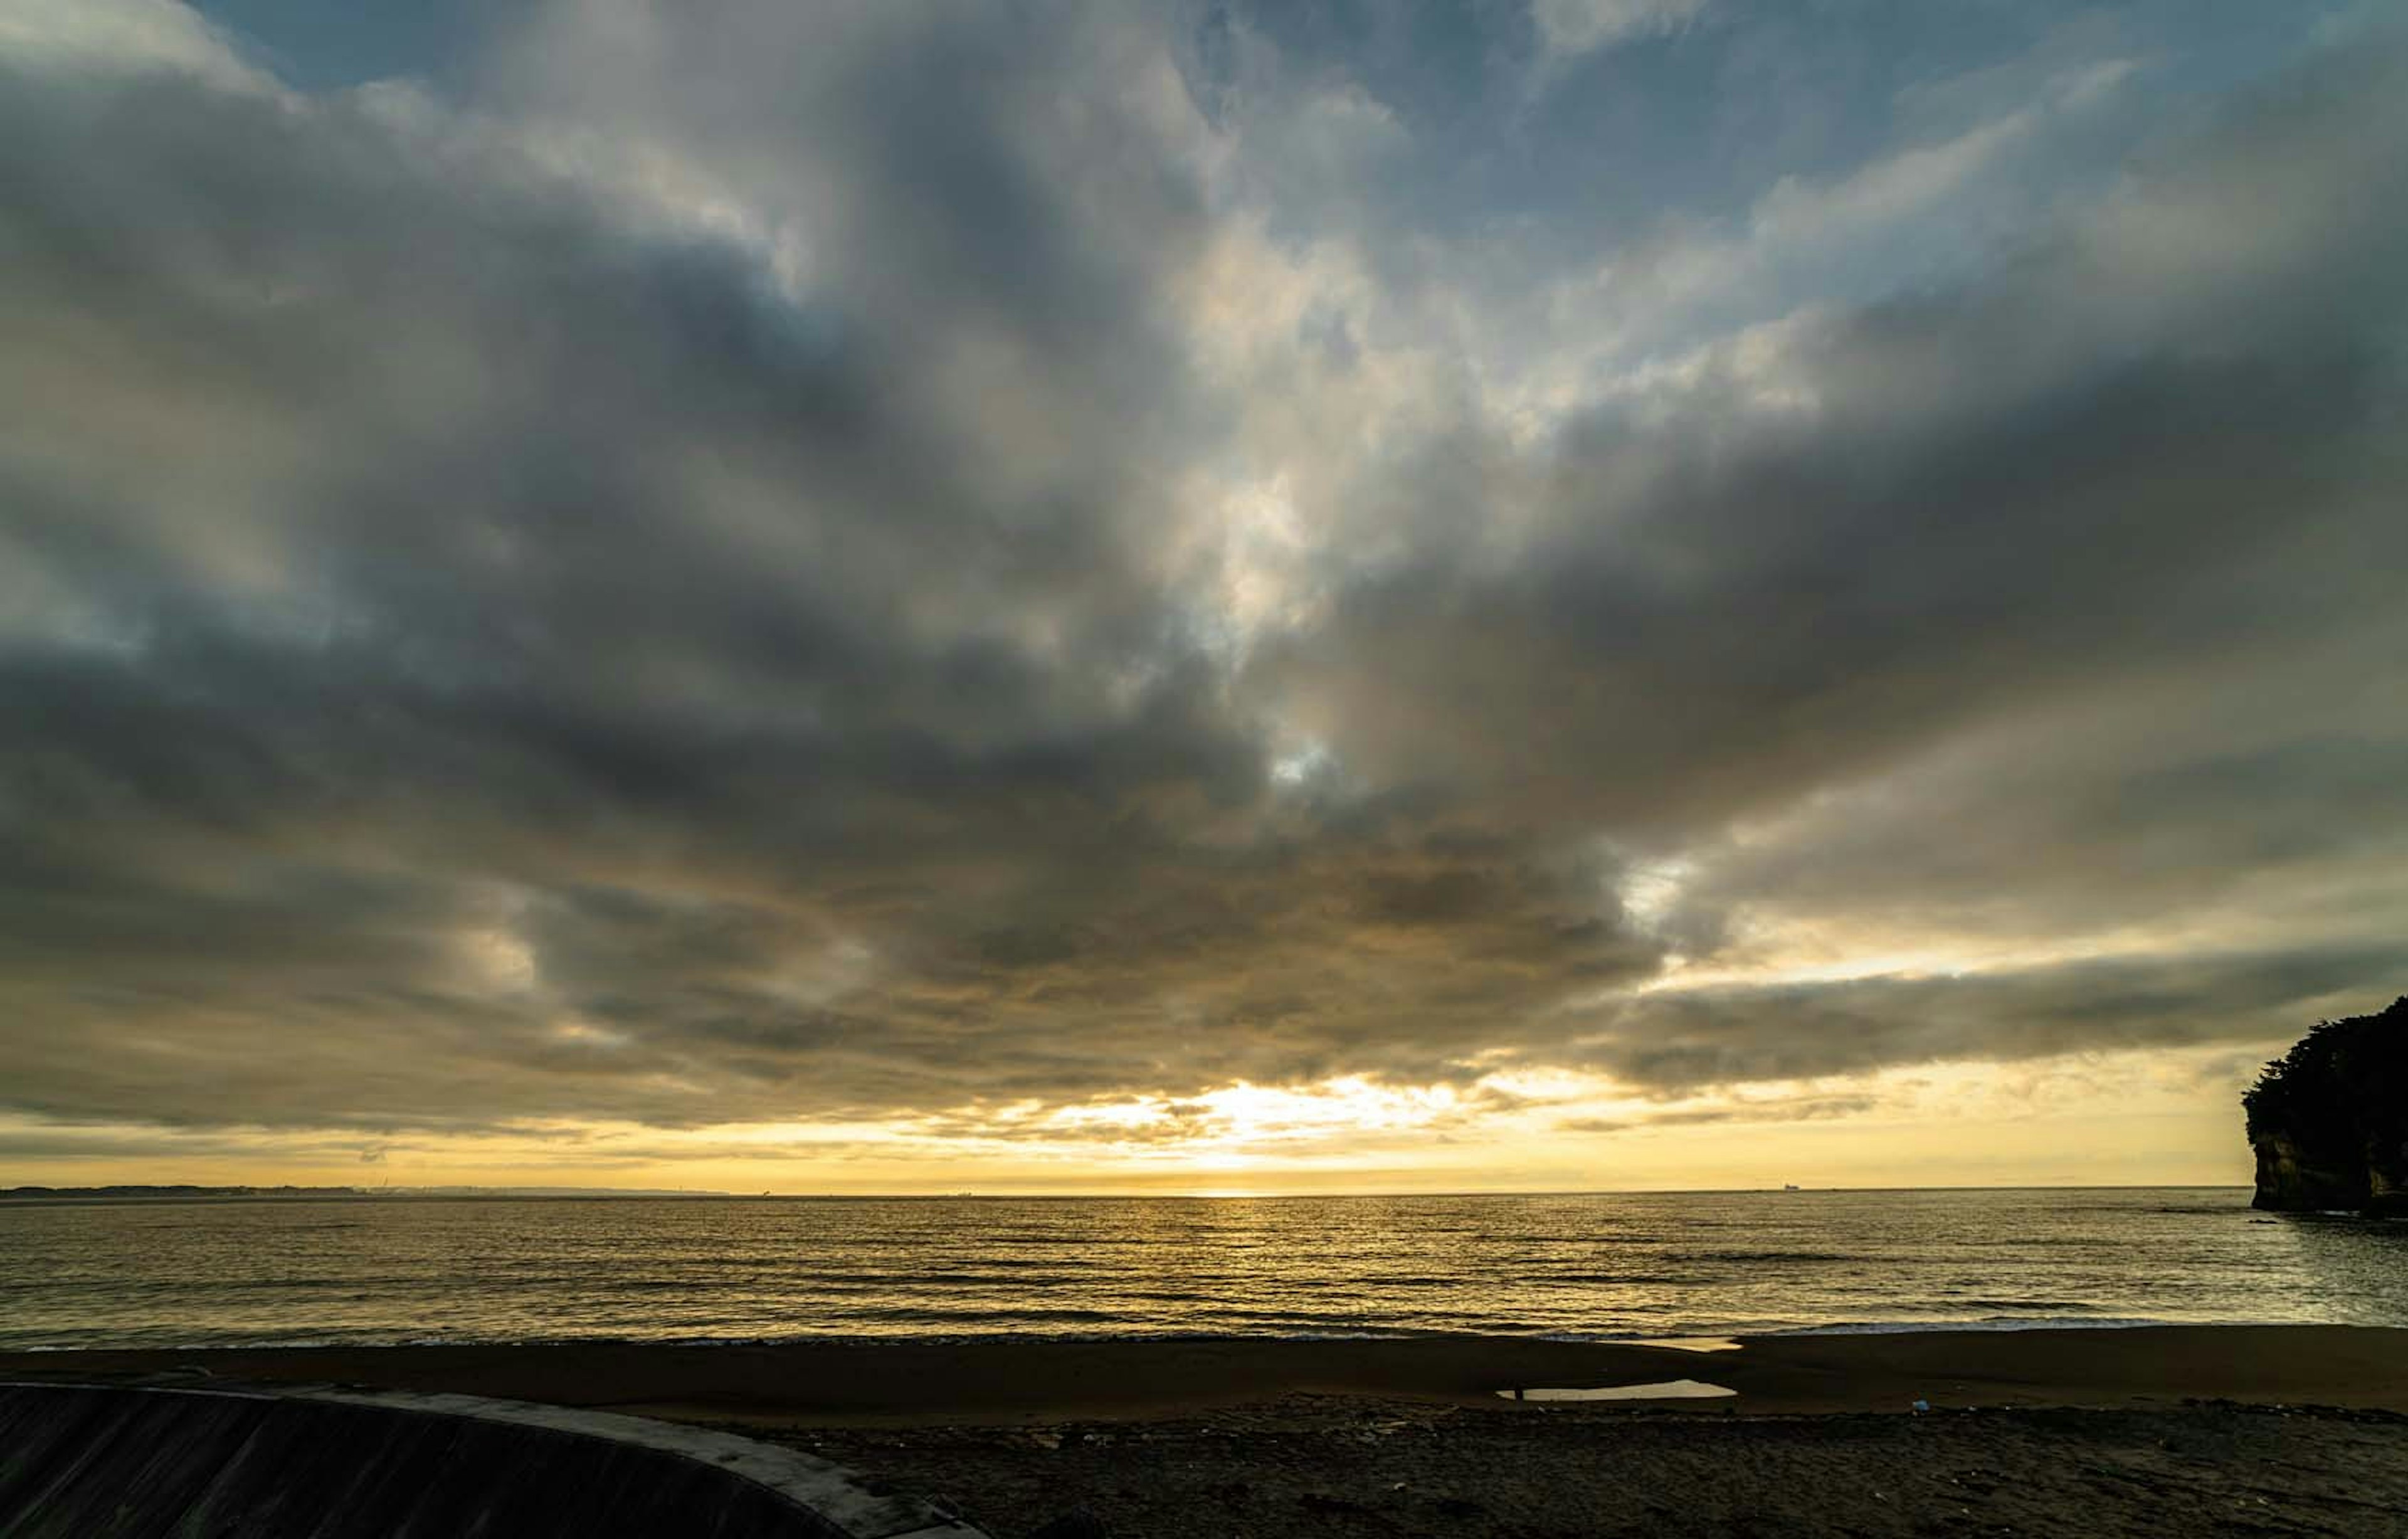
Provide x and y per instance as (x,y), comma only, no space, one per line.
(752,567)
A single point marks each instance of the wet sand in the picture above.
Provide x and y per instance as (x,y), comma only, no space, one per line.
(2179,1430)
(993,1381)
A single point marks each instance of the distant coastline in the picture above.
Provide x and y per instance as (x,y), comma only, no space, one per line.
(255,1194)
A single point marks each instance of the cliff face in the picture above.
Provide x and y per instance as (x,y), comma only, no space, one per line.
(2329,1120)
(2292,1181)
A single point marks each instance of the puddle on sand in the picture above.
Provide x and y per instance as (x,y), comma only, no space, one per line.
(1669,1389)
(1686,1344)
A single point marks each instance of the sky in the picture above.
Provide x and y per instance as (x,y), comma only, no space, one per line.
(1278,595)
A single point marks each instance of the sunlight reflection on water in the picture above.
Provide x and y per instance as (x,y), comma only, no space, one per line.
(1627,1266)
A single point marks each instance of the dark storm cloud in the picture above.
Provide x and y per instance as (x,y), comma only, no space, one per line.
(659,589)
(2129,474)
(1675,1042)
(2176,824)
(529,777)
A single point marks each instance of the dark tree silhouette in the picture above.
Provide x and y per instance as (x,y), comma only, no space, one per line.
(2328,1119)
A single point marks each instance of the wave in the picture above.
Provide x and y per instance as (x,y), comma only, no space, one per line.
(1572,1268)
(1608,1279)
(974,1338)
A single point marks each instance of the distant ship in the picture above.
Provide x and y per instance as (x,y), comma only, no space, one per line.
(1789,1185)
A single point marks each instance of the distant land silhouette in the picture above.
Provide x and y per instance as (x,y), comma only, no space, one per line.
(2328,1119)
(178,1192)
(191,1193)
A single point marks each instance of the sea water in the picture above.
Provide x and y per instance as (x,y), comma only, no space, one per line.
(225,1273)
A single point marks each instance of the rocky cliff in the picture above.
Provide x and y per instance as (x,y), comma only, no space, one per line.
(2328,1119)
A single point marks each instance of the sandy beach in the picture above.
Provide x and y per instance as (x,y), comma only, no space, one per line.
(1307,1466)
(932,1383)
(2189,1429)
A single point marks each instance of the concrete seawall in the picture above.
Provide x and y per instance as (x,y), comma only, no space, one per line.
(79,1461)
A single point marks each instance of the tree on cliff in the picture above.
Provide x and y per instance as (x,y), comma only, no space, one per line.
(2329,1118)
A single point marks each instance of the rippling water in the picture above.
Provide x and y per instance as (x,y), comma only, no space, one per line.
(1607,1265)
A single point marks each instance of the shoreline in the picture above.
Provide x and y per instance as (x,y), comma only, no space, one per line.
(1697,1344)
(905,1381)
(1699,1340)
(2209,1430)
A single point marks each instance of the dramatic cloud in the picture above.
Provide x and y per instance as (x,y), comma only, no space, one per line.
(877,566)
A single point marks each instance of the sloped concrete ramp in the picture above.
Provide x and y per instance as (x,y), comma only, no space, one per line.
(82,1462)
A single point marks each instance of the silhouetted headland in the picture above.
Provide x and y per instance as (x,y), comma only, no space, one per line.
(2328,1119)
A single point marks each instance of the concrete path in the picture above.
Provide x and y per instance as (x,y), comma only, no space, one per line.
(79,1461)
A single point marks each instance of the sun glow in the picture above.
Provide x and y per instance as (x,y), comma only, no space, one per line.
(2161,1115)
(1238,1126)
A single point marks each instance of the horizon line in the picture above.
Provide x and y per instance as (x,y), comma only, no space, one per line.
(539,1191)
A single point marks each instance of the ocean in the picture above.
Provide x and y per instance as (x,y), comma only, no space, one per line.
(1603,1265)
